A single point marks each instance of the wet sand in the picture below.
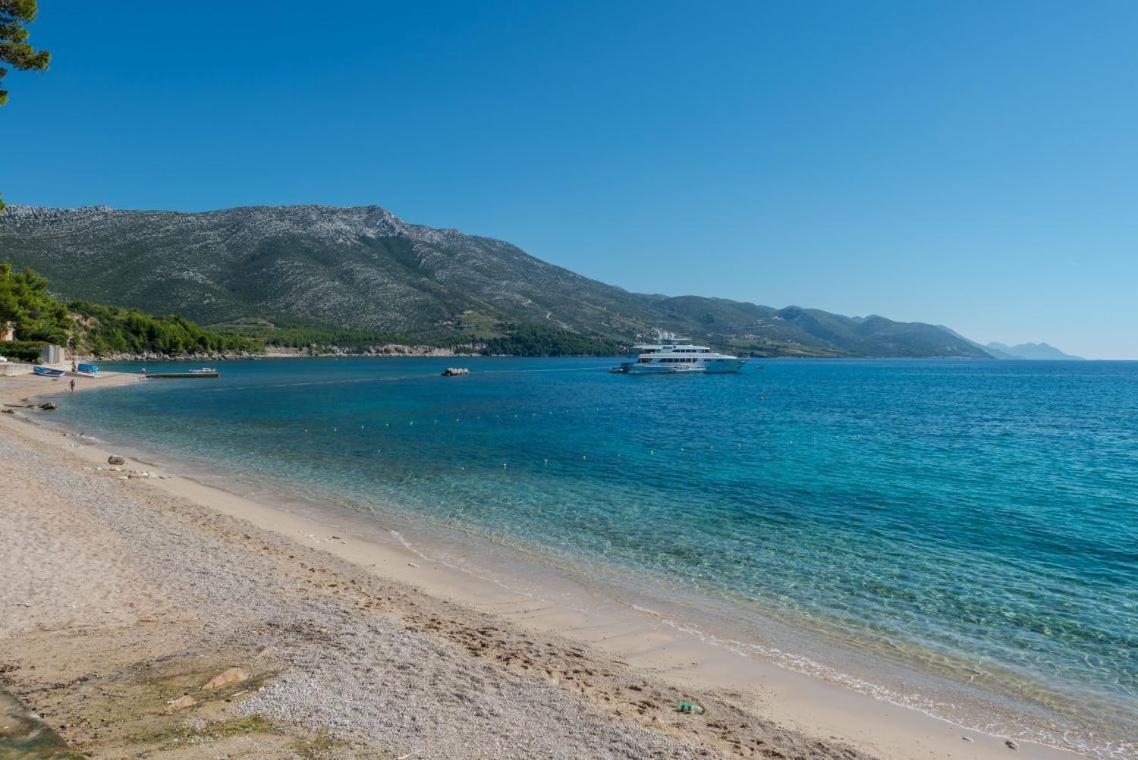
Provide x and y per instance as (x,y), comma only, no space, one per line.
(125,589)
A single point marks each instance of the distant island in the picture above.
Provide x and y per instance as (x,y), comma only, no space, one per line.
(351,279)
(1037,351)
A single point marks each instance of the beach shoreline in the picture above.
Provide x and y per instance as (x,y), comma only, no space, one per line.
(802,712)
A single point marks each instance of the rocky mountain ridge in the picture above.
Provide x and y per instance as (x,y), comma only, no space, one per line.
(365,268)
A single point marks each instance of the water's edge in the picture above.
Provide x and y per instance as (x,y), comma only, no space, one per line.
(551,580)
(735,625)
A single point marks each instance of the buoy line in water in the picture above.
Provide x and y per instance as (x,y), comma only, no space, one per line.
(524,371)
(309,383)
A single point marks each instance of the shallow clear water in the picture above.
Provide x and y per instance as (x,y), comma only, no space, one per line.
(979,519)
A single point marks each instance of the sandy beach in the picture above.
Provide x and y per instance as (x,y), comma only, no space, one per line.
(126,589)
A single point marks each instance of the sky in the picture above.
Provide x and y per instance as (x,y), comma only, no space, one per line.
(972,164)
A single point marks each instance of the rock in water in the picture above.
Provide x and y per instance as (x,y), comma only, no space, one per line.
(455,372)
(1011,745)
(227,678)
(115,459)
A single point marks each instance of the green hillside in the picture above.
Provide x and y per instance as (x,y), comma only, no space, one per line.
(278,271)
(95,329)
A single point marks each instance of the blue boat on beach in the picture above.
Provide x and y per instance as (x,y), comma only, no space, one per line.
(48,372)
(87,369)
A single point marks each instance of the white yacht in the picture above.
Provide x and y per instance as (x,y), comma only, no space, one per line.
(671,354)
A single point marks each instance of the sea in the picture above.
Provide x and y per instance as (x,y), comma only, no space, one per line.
(960,537)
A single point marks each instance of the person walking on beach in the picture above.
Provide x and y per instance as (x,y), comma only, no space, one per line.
(72,385)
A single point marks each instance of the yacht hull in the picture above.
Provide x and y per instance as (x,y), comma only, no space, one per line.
(710,367)
(724,366)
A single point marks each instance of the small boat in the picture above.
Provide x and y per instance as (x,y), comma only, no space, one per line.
(193,373)
(87,370)
(671,355)
(48,372)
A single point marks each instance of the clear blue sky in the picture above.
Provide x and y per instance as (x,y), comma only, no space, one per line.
(973,164)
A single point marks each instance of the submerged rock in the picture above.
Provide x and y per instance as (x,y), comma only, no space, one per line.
(455,372)
(115,459)
(23,733)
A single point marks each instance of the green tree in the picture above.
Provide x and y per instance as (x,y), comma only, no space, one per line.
(15,15)
(24,300)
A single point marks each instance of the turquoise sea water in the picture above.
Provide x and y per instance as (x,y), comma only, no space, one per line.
(975,519)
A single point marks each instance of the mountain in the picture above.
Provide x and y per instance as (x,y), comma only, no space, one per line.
(363,268)
(1028,351)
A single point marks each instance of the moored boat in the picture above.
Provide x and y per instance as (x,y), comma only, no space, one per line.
(673,355)
(205,372)
(48,372)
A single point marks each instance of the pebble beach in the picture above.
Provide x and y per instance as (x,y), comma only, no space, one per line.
(128,590)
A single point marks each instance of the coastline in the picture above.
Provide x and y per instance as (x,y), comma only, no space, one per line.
(811,718)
